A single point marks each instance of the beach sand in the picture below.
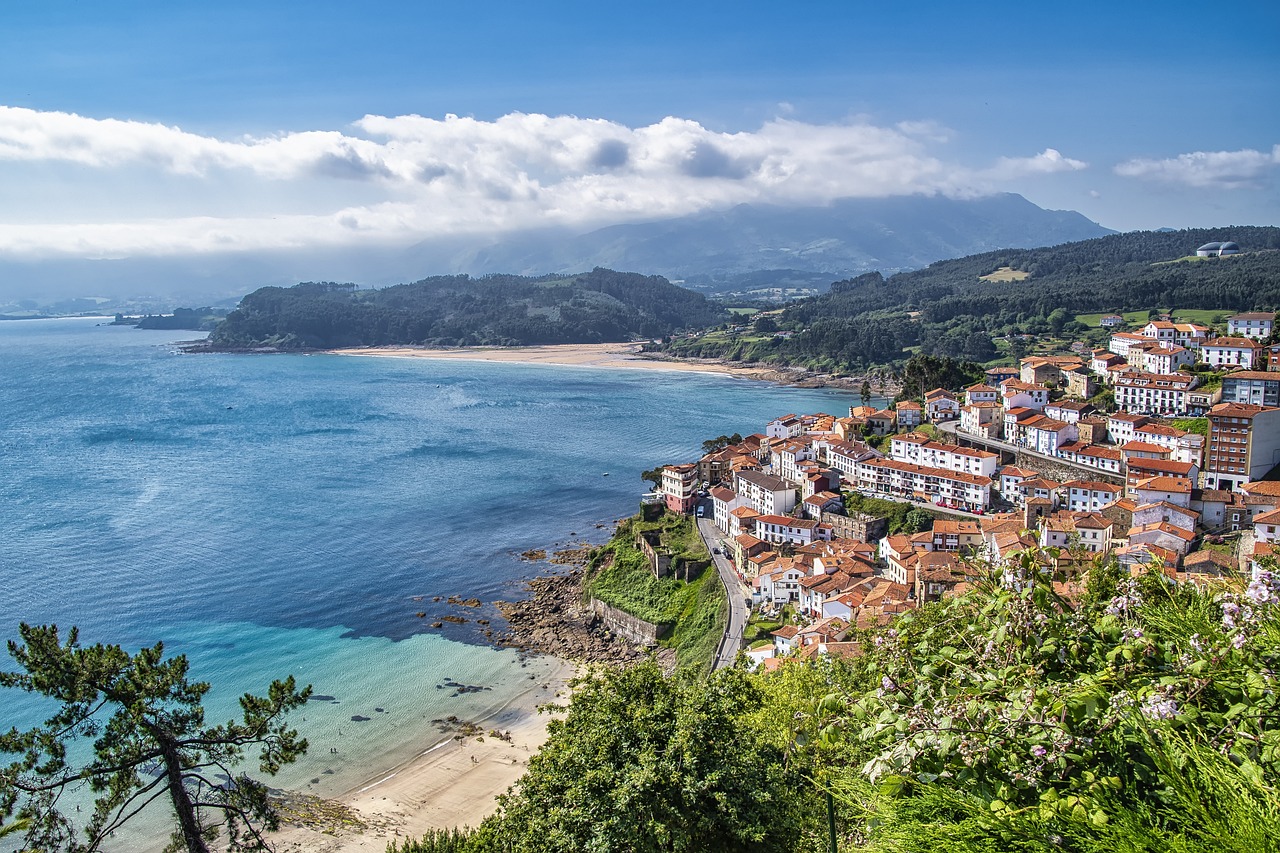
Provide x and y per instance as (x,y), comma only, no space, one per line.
(615,356)
(453,783)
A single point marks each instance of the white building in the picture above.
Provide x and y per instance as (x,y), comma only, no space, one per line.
(1231,352)
(1086,496)
(921,450)
(764,493)
(903,480)
(1257,325)
(1153,393)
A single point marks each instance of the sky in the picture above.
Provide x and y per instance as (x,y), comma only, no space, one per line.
(178,130)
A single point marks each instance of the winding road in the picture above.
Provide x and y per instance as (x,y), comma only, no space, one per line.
(737,593)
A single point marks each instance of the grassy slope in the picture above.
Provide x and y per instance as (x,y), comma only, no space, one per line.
(622,578)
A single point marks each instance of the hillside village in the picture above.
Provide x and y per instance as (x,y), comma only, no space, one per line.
(1018,460)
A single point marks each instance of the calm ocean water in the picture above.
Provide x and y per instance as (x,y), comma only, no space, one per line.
(290,514)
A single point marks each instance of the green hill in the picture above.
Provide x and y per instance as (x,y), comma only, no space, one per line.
(499,310)
(955,308)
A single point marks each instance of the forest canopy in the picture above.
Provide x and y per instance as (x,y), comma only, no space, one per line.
(601,306)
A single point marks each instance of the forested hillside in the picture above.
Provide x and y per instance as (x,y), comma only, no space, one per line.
(949,309)
(498,310)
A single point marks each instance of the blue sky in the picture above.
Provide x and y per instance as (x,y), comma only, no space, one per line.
(147,128)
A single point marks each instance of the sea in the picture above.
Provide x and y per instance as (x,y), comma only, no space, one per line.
(268,515)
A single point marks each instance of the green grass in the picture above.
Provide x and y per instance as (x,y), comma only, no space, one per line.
(1138,319)
(1203,316)
(759,629)
(621,577)
(743,310)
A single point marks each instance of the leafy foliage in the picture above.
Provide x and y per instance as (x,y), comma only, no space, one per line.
(149,740)
(643,762)
(496,310)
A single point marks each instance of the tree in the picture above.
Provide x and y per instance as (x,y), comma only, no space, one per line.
(864,393)
(711,445)
(654,476)
(644,762)
(765,325)
(147,739)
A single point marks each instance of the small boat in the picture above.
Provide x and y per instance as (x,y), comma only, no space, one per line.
(605,474)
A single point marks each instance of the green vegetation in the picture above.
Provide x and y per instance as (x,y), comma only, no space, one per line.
(1200,426)
(131,729)
(946,310)
(620,576)
(902,517)
(497,310)
(1141,717)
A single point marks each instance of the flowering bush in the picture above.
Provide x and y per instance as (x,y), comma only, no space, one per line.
(1022,700)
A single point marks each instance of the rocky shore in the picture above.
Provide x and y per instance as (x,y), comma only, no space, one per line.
(555,621)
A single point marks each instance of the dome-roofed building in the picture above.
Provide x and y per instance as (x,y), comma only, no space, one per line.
(1210,250)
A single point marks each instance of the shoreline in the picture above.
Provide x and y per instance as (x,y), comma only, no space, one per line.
(453,782)
(616,356)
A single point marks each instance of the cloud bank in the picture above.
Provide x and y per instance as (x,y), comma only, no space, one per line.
(1244,169)
(405,178)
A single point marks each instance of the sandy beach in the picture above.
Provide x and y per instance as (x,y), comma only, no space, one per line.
(454,782)
(613,356)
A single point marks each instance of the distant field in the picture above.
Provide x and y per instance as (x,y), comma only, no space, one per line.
(1133,319)
(1205,316)
(1006,274)
(743,310)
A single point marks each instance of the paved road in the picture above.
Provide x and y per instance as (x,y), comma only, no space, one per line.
(734,589)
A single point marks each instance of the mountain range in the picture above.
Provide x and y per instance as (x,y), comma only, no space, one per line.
(749,249)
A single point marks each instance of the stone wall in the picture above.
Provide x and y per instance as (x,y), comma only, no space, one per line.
(1064,473)
(647,543)
(625,625)
(860,526)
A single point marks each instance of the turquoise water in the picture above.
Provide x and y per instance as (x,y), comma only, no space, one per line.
(281,514)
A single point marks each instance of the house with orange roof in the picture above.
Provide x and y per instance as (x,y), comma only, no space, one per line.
(981,392)
(985,420)
(903,480)
(679,487)
(1266,527)
(940,405)
(1232,352)
(1106,459)
(1140,470)
(1089,496)
(909,414)
(955,535)
(919,449)
(1168,489)
(1164,535)
(777,584)
(783,529)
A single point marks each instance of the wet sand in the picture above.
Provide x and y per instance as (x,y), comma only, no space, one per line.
(452,783)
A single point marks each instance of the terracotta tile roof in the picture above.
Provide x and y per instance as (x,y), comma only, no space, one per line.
(1165,484)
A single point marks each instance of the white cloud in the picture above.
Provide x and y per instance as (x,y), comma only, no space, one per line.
(1047,162)
(421,177)
(1244,169)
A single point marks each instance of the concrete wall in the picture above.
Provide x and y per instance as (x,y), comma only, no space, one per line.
(625,625)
